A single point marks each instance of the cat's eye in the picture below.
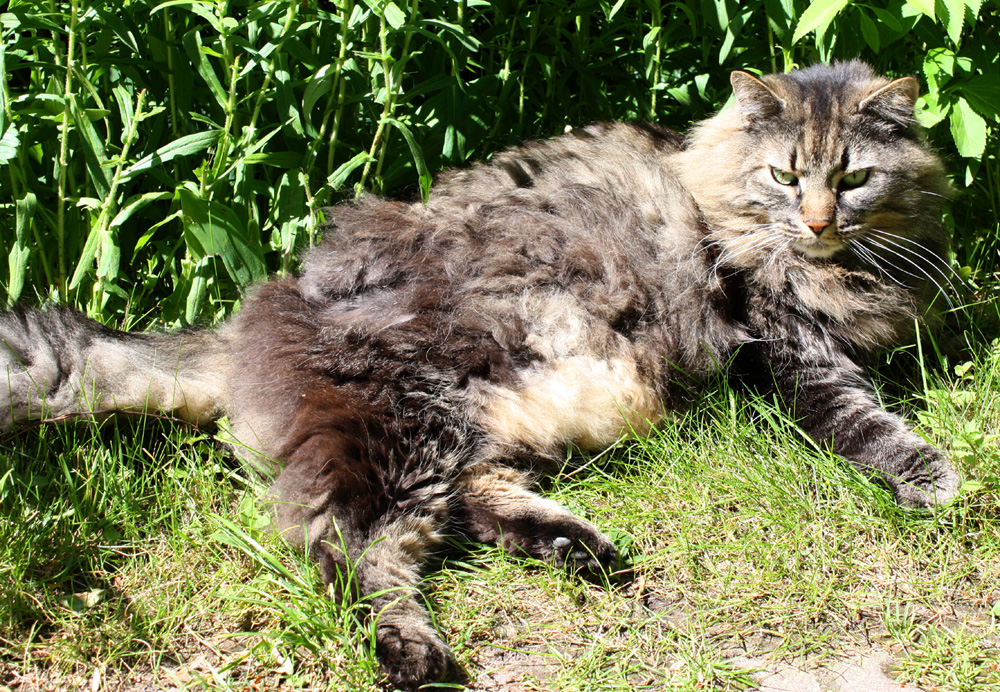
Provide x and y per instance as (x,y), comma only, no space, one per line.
(854,179)
(783,177)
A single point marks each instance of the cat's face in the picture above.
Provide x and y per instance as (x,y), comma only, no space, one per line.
(830,161)
(821,163)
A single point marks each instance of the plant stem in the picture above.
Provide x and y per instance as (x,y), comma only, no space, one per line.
(396,71)
(64,152)
(657,58)
(341,88)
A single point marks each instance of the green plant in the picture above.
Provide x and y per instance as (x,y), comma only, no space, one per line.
(155,158)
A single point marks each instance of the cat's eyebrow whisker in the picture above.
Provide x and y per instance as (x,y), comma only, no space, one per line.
(915,266)
(934,194)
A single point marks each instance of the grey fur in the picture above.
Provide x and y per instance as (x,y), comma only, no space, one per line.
(566,292)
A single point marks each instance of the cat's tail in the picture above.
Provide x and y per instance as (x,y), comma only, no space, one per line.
(55,363)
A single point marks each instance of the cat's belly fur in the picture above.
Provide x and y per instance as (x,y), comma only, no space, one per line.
(583,388)
(585,400)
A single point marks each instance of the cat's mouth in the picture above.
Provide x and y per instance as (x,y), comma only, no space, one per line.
(819,248)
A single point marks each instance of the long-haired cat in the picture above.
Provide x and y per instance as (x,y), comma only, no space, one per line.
(430,357)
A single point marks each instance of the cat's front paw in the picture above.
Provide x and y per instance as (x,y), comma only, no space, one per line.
(932,482)
(412,654)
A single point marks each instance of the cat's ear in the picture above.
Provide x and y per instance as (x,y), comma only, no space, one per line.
(893,104)
(756,100)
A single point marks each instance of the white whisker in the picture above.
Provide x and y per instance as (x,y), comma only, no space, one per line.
(729,253)
(913,264)
(936,260)
(872,260)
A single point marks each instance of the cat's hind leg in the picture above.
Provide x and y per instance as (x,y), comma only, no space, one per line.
(495,505)
(370,516)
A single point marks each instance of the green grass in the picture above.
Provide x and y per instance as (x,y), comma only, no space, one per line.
(135,553)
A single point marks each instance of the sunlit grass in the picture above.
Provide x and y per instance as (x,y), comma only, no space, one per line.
(137,554)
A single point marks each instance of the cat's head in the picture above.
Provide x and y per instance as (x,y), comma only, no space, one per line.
(819,163)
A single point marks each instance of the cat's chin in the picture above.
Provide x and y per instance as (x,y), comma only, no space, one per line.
(817,249)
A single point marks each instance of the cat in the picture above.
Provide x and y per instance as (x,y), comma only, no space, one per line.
(431,357)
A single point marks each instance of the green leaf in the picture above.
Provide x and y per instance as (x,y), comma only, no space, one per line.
(889,20)
(319,86)
(968,129)
(17,260)
(93,149)
(110,257)
(339,176)
(86,259)
(780,15)
(869,31)
(125,108)
(185,146)
(931,109)
(924,6)
(134,204)
(610,14)
(202,8)
(278,159)
(212,228)
(418,157)
(983,94)
(954,11)
(395,16)
(122,31)
(8,144)
(290,211)
(152,229)
(195,51)
(817,17)
(200,275)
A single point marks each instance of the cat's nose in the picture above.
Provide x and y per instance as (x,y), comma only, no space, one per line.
(818,225)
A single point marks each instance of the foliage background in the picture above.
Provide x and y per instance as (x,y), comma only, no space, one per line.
(155,157)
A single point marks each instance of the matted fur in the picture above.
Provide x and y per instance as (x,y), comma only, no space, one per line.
(431,358)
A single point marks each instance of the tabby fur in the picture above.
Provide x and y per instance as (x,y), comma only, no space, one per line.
(431,358)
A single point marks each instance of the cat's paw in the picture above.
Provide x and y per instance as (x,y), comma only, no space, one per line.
(936,483)
(412,654)
(564,540)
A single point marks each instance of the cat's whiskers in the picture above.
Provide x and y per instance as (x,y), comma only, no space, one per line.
(915,265)
(778,251)
(758,241)
(712,236)
(936,260)
(878,259)
(927,258)
(869,258)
